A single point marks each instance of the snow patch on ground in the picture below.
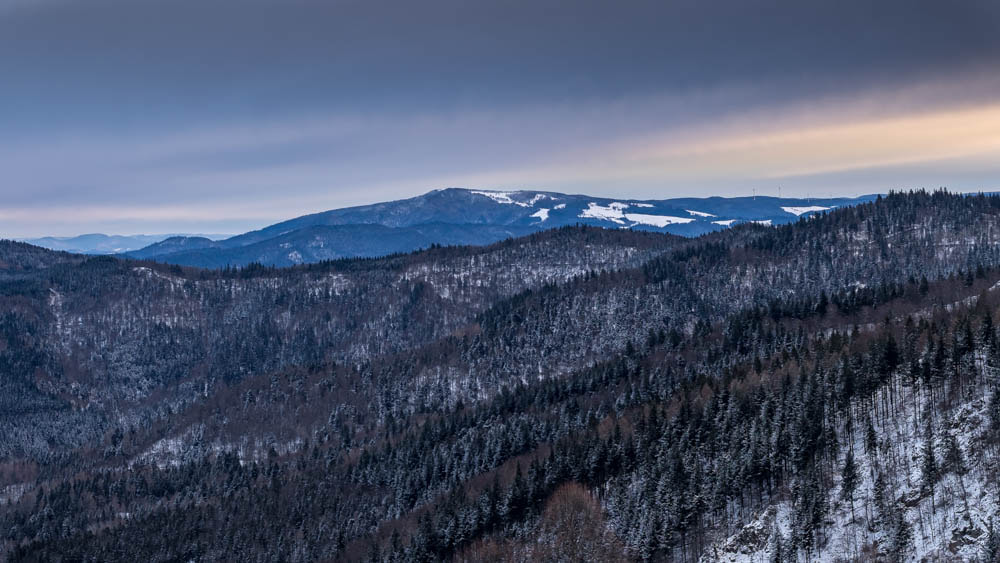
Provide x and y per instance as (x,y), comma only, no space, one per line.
(542,214)
(656,220)
(560,206)
(798,211)
(765,222)
(643,205)
(614,211)
(506,199)
(699,213)
(535,199)
(725,222)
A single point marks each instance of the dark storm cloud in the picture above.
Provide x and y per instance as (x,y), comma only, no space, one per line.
(253,110)
(143,59)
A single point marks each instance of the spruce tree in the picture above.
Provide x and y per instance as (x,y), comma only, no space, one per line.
(929,470)
(991,549)
(902,536)
(954,461)
(849,480)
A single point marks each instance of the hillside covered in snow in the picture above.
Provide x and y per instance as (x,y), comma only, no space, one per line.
(822,390)
(455,216)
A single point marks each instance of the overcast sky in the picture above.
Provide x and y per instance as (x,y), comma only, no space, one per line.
(151,116)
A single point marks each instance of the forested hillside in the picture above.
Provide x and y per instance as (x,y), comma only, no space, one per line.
(823,390)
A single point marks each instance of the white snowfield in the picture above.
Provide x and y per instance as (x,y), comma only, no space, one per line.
(542,214)
(615,211)
(505,198)
(798,211)
(656,220)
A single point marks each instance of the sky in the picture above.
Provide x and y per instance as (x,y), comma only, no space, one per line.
(167,116)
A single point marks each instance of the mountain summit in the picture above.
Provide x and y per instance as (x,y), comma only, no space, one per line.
(456,216)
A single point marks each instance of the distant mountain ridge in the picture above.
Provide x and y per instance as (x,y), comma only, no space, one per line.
(456,216)
(99,243)
(316,243)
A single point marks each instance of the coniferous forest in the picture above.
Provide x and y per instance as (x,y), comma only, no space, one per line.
(826,390)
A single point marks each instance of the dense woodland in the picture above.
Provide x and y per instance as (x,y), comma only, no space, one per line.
(824,390)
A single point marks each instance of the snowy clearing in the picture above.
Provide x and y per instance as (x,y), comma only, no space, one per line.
(614,211)
(656,220)
(506,199)
(798,211)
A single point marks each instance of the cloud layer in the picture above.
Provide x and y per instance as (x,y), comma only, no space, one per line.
(218,115)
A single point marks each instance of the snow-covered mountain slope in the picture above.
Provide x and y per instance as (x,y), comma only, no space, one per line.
(459,216)
(541,209)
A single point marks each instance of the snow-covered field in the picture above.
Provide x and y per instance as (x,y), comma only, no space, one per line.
(805,209)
